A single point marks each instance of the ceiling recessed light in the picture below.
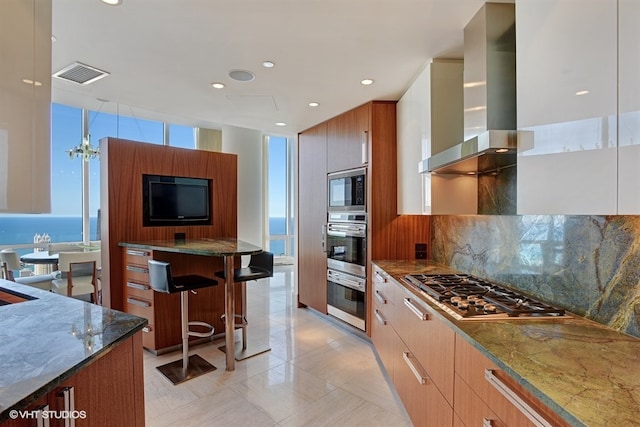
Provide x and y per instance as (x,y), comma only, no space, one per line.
(217,85)
(366,82)
(281,124)
(268,64)
(242,75)
(582,92)
(313,104)
(112,2)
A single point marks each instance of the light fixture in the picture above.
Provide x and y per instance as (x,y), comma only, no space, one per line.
(478,108)
(31,82)
(217,85)
(582,92)
(268,64)
(280,124)
(313,104)
(366,82)
(502,150)
(112,2)
(84,150)
(474,84)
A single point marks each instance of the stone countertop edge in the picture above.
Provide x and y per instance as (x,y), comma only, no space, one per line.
(50,354)
(222,246)
(476,332)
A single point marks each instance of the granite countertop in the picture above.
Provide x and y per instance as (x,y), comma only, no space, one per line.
(222,246)
(44,341)
(584,371)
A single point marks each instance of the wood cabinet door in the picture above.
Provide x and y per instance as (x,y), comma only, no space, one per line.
(431,341)
(470,366)
(312,218)
(348,139)
(421,398)
(108,392)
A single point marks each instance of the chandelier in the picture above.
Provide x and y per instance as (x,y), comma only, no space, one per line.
(84,150)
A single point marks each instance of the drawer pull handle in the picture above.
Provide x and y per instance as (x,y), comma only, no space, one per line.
(67,394)
(139,286)
(415,310)
(138,302)
(380,298)
(137,269)
(486,422)
(380,278)
(422,379)
(137,253)
(516,400)
(146,329)
(381,319)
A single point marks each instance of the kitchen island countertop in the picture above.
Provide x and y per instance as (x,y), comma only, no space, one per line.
(46,340)
(583,370)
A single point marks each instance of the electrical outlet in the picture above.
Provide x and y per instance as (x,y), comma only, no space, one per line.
(421,251)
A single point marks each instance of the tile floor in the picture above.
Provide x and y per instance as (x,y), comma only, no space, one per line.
(316,374)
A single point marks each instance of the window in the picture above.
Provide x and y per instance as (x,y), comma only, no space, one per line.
(279,196)
(182,136)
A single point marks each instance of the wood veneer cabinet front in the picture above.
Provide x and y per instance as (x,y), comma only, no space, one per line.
(483,400)
(110,391)
(348,139)
(312,213)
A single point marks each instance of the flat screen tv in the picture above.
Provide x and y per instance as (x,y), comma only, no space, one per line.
(175,200)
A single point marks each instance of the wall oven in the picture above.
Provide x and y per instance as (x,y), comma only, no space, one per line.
(347,191)
(346,246)
(346,297)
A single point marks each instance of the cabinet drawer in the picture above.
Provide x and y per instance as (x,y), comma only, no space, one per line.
(138,289)
(139,306)
(428,338)
(471,409)
(384,293)
(136,273)
(471,367)
(423,401)
(136,256)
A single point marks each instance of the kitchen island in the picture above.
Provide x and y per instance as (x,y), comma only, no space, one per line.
(54,348)
(581,370)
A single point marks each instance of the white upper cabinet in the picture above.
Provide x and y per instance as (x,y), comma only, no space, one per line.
(25,106)
(567,95)
(629,107)
(429,120)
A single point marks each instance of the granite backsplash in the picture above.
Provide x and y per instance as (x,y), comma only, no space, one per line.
(590,265)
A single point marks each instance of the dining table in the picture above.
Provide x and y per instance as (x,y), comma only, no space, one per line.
(44,261)
(226,247)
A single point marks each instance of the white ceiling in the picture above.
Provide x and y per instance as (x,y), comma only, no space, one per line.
(162,56)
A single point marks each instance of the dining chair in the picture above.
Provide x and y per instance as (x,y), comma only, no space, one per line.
(9,261)
(78,275)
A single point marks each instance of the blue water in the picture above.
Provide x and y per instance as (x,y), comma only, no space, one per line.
(22,229)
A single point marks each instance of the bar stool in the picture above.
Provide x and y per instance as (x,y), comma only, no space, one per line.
(161,280)
(260,267)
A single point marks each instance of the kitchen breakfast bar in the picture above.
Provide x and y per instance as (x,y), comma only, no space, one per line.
(225,247)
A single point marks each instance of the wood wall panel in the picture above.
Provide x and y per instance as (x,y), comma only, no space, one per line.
(123,163)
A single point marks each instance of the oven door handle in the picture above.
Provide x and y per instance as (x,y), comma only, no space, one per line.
(344,281)
(346,230)
(323,238)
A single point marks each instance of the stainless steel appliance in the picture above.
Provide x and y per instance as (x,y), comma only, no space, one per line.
(346,297)
(347,191)
(466,297)
(346,246)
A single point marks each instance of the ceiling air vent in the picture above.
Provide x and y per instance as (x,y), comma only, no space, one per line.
(80,73)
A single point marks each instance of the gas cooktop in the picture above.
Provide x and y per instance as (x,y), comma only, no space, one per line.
(466,297)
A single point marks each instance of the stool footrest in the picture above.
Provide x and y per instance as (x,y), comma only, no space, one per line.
(199,334)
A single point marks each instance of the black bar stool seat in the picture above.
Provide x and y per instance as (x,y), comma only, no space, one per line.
(260,267)
(161,280)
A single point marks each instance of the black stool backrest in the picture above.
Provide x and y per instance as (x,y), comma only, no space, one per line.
(264,261)
(160,276)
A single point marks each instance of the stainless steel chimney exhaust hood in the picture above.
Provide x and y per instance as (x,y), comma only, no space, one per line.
(490,136)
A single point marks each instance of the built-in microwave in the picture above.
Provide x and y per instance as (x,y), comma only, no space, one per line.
(347,191)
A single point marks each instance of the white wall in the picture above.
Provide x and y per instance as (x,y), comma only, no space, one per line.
(247,144)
